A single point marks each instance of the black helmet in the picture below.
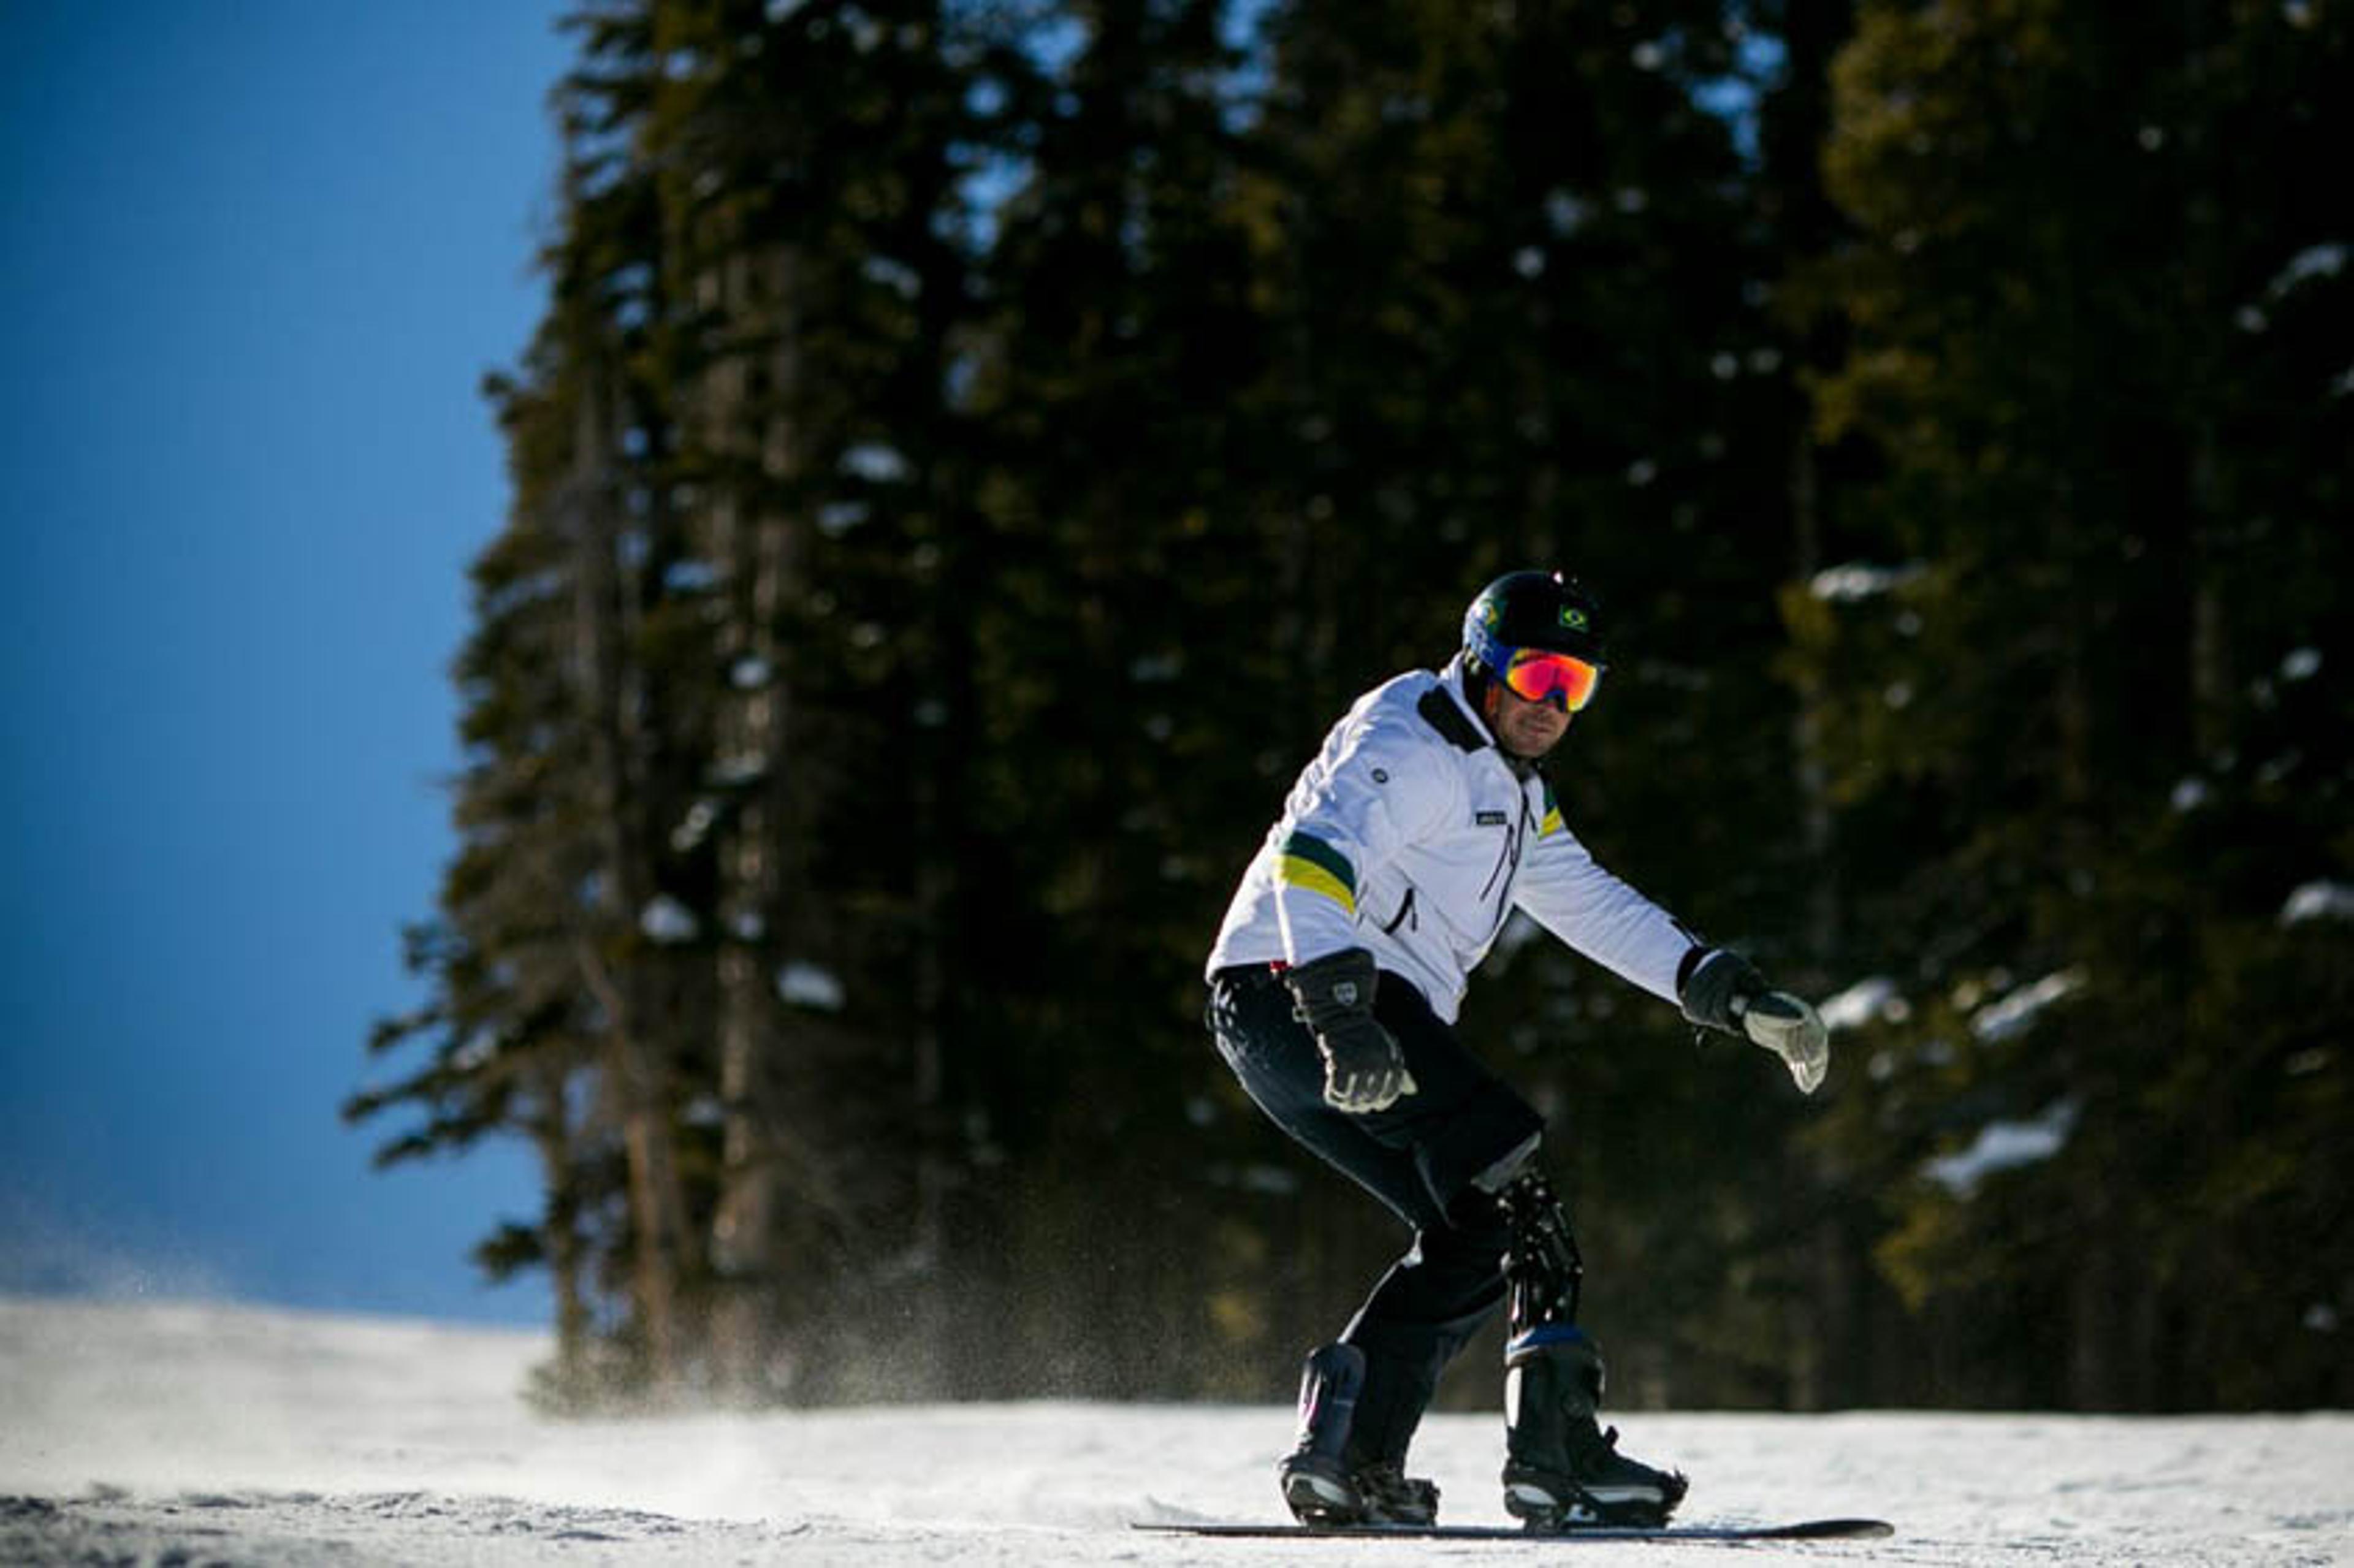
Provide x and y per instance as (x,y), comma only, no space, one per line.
(1532,609)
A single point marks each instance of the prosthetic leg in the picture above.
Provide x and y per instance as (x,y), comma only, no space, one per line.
(1560,1468)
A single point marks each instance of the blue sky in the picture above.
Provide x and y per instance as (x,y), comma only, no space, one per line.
(254,261)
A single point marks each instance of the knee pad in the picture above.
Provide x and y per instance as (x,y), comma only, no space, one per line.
(1543,1271)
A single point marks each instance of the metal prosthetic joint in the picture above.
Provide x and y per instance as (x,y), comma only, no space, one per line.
(1543,1271)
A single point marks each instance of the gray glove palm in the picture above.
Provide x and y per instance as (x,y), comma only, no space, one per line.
(1364,1068)
(1790,1028)
(1725,991)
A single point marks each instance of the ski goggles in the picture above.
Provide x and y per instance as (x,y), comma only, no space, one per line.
(1534,676)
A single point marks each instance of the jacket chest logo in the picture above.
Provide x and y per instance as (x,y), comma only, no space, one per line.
(1493,819)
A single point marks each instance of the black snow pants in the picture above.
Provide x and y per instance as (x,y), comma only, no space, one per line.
(1421,1157)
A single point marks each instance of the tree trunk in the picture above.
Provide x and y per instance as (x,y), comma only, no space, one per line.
(560,1236)
(758,880)
(657,1198)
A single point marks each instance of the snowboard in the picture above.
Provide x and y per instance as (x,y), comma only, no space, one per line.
(1802,1529)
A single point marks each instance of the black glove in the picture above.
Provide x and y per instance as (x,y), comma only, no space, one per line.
(1725,991)
(1720,978)
(1364,1068)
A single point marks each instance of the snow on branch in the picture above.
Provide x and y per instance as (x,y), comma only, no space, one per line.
(2017,1013)
(1860,580)
(2318,901)
(2006,1146)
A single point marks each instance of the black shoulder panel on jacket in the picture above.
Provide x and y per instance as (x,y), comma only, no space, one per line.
(1440,711)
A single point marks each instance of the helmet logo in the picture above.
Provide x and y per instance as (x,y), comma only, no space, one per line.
(1573,618)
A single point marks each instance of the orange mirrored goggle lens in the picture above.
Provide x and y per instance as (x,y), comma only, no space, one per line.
(1536,677)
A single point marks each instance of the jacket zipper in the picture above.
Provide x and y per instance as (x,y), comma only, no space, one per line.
(1508,867)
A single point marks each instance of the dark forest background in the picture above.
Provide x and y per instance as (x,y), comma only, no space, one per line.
(972,451)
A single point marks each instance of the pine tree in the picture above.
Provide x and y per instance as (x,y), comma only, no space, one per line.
(1520,322)
(1119,338)
(972,451)
(807,166)
(2064,223)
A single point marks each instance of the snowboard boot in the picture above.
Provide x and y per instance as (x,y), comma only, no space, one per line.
(1561,1470)
(1329,1481)
(1390,1404)
(1315,1474)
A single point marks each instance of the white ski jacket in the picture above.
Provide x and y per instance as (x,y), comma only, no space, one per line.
(1412,836)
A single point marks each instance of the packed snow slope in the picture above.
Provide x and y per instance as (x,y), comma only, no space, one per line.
(208,1433)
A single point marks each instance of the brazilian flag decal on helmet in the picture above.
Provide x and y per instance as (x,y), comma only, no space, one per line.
(1521,610)
(1305,861)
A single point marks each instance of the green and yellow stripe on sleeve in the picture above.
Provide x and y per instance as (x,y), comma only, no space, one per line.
(1307,862)
(1551,823)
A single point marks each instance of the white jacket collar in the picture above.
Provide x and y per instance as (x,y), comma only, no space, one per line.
(1454,678)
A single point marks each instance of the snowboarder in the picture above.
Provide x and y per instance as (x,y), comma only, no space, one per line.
(1422,823)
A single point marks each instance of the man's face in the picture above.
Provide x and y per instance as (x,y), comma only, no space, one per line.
(1526,729)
